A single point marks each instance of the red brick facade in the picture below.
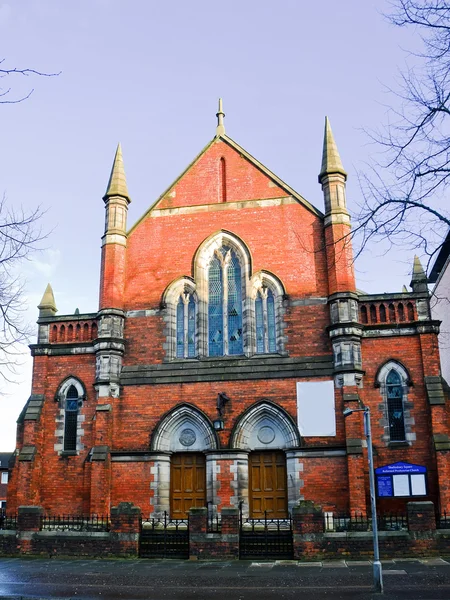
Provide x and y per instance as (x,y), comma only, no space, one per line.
(114,398)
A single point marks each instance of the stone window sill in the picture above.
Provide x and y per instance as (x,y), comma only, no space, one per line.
(403,444)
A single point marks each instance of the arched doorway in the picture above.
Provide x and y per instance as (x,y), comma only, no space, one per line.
(186,433)
(267,431)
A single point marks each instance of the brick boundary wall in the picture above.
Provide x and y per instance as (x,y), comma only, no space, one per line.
(310,541)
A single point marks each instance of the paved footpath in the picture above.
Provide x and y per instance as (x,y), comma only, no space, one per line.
(408,579)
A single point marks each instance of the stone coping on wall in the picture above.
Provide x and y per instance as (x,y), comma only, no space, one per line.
(230,369)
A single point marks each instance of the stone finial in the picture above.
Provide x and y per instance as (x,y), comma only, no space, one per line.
(47,306)
(117,184)
(404,290)
(331,161)
(419,278)
(220,130)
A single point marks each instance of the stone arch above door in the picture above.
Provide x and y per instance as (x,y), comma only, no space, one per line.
(184,429)
(265,426)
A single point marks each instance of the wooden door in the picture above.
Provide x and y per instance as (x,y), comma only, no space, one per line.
(268,484)
(187,483)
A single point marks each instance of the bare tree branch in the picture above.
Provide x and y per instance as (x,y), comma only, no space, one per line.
(402,191)
(20,235)
(26,73)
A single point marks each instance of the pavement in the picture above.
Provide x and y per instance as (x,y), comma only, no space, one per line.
(57,579)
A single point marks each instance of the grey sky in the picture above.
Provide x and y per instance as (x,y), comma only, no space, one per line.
(148,74)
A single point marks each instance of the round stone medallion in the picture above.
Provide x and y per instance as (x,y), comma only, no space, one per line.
(187,437)
(266,434)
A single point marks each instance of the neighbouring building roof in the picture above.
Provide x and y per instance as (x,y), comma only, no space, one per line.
(441,260)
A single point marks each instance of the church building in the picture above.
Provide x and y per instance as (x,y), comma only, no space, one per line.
(229,339)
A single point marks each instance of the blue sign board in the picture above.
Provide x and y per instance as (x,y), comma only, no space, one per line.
(400,468)
(385,485)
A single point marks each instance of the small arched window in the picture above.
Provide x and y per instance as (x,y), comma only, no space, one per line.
(266,340)
(71,419)
(373,314)
(401,312)
(410,309)
(395,410)
(394,383)
(69,433)
(186,325)
(382,313)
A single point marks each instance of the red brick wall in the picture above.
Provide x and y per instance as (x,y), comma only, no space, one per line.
(130,482)
(162,249)
(325,482)
(203,182)
(407,351)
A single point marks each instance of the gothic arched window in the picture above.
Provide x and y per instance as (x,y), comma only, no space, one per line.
(265,321)
(394,383)
(396,416)
(225,304)
(71,419)
(223,309)
(70,397)
(186,326)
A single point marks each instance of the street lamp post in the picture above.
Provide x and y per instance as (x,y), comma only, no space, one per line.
(377,569)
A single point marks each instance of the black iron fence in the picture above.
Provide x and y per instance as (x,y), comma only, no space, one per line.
(75,523)
(265,537)
(7,521)
(361,522)
(443,521)
(163,537)
(214,524)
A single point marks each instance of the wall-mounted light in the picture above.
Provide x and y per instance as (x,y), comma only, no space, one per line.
(218,424)
(222,399)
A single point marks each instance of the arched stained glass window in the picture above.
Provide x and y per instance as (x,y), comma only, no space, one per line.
(394,392)
(266,340)
(186,325)
(180,328)
(71,420)
(215,308)
(271,321)
(234,278)
(259,314)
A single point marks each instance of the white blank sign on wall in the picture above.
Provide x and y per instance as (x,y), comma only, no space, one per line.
(315,408)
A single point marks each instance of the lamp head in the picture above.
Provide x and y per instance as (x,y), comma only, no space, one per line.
(347,412)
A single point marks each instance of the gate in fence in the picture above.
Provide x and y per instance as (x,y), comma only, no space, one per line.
(265,538)
(164,538)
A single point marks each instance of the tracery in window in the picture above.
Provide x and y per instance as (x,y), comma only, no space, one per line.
(224,309)
(225,304)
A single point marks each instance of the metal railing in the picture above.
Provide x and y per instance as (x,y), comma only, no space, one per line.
(164,522)
(361,522)
(443,521)
(75,523)
(214,523)
(7,521)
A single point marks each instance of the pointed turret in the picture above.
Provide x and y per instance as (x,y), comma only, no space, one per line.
(220,129)
(114,240)
(405,290)
(332,178)
(117,184)
(47,306)
(331,161)
(419,278)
